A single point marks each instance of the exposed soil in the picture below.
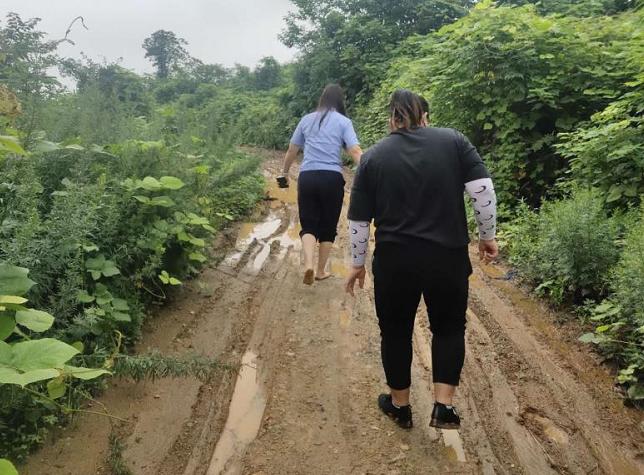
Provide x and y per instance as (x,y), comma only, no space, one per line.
(533,399)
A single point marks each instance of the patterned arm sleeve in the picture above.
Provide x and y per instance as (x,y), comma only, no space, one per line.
(359,234)
(484,201)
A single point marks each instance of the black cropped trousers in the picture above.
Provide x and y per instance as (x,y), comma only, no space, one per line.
(320,194)
(403,272)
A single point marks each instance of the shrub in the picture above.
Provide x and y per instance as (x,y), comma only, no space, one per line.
(620,319)
(608,152)
(567,248)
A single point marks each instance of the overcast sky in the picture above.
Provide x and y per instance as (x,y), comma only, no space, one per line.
(218,31)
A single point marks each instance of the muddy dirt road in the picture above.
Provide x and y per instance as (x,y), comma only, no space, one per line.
(533,400)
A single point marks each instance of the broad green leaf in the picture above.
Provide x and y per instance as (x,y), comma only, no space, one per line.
(614,193)
(151,184)
(197,220)
(164,277)
(35,320)
(110,269)
(197,241)
(41,354)
(171,183)
(7,324)
(5,353)
(168,280)
(488,126)
(183,236)
(12,300)
(120,304)
(79,346)
(143,199)
(589,338)
(7,468)
(121,317)
(11,376)
(85,373)
(99,265)
(14,280)
(56,388)
(95,263)
(83,296)
(602,328)
(163,201)
(197,256)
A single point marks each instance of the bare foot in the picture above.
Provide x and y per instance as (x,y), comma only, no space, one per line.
(309,277)
(323,276)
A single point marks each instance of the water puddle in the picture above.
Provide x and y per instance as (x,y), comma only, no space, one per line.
(345,319)
(339,267)
(550,429)
(244,418)
(454,445)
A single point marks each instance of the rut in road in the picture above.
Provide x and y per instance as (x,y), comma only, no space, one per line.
(533,400)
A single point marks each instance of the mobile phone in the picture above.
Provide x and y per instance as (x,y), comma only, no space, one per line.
(282,182)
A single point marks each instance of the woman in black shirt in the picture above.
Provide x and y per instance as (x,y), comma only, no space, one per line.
(411,185)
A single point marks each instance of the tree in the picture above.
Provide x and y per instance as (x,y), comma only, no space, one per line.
(25,59)
(351,41)
(166,51)
(267,74)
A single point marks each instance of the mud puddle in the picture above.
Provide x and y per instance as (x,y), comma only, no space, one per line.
(244,419)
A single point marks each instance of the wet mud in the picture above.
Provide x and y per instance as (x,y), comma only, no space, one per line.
(532,400)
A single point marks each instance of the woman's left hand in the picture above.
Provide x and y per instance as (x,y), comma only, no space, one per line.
(356,273)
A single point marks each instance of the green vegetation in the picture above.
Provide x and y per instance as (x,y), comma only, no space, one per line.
(110,195)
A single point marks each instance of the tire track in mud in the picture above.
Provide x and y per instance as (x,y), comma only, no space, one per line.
(555,407)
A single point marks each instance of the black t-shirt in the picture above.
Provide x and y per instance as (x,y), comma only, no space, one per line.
(411,184)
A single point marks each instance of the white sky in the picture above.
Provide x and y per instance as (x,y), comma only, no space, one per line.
(217,31)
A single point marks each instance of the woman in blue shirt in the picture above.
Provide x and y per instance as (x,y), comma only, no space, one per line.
(320,191)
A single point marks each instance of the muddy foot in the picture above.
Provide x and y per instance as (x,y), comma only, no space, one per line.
(309,277)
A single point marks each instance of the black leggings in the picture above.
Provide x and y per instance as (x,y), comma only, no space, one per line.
(319,198)
(402,273)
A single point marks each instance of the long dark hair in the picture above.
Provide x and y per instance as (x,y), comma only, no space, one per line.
(332,98)
(406,109)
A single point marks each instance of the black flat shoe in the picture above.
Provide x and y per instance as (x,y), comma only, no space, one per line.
(445,417)
(401,416)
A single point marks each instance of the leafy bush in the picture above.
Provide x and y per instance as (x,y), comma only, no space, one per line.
(512,80)
(105,231)
(608,152)
(27,363)
(620,319)
(567,248)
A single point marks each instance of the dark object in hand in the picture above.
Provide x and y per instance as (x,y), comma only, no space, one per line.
(282,182)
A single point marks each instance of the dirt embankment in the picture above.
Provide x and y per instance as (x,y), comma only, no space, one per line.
(533,400)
